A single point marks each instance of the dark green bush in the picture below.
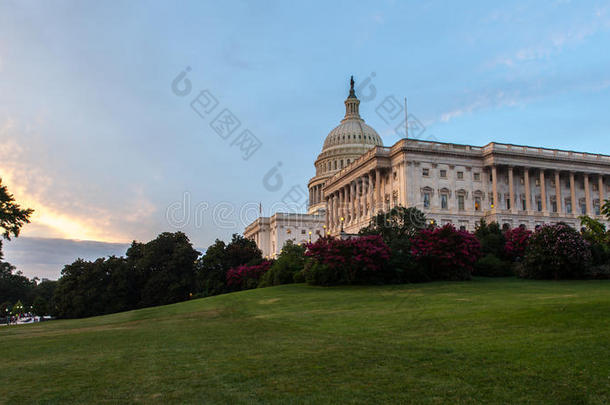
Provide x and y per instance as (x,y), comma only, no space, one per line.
(290,261)
(492,266)
(317,273)
(601,272)
(556,252)
(299,276)
(491,238)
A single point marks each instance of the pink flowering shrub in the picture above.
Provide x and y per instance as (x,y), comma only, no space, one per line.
(336,261)
(446,253)
(245,277)
(516,242)
(556,252)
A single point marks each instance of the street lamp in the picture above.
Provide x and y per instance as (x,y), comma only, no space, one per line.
(309,236)
(342,219)
(8,319)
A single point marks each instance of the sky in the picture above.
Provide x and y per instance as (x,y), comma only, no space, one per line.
(120,120)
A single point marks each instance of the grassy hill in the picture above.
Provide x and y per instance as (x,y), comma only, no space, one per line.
(485,341)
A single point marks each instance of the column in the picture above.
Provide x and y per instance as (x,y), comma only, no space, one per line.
(370,191)
(357,200)
(528,191)
(377,191)
(382,185)
(511,187)
(543,191)
(602,196)
(573,194)
(558,198)
(329,212)
(402,186)
(341,213)
(348,202)
(335,210)
(587,195)
(494,187)
(354,193)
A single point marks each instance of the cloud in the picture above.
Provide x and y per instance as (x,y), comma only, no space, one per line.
(488,100)
(46,257)
(555,41)
(524,92)
(61,208)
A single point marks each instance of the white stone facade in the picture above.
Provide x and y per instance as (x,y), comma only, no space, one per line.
(461,184)
(271,233)
(357,177)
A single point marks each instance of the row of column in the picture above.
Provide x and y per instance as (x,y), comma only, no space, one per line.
(315,194)
(558,191)
(357,200)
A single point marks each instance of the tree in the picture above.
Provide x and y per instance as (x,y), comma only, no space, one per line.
(556,252)
(491,238)
(595,233)
(606,209)
(397,227)
(12,216)
(398,223)
(159,272)
(40,306)
(219,258)
(18,308)
(165,268)
(290,261)
(593,230)
(14,285)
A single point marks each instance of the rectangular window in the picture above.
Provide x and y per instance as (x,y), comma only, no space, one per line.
(477,176)
(425,172)
(426,200)
(508,203)
(569,207)
(477,203)
(461,202)
(583,209)
(523,205)
(554,206)
(539,202)
(444,174)
(460,175)
(444,201)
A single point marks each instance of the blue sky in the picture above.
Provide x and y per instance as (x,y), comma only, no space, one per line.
(94,139)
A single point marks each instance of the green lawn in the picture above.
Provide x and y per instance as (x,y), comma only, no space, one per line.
(484,341)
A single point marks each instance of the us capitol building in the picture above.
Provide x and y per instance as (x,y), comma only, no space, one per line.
(357,177)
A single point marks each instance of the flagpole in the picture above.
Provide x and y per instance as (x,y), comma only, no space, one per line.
(406,121)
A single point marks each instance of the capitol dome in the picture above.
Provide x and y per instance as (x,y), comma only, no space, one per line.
(352,132)
(342,146)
